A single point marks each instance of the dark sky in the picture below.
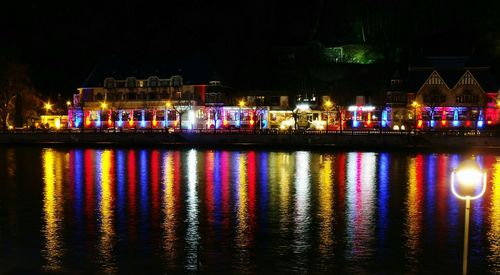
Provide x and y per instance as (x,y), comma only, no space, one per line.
(62,42)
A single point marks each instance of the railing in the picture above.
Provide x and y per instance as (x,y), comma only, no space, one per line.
(250,131)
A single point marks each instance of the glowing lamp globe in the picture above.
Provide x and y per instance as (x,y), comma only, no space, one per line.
(468,181)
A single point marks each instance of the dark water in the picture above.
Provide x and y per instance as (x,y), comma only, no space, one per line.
(160,211)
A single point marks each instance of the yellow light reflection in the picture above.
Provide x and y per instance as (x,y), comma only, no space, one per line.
(326,206)
(242,223)
(284,190)
(53,212)
(170,222)
(301,242)
(106,213)
(414,210)
(494,230)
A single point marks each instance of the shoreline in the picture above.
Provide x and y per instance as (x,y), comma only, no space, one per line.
(296,141)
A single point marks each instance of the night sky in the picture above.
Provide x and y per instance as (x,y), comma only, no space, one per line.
(63,42)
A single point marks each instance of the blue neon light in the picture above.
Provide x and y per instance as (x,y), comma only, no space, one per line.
(480,123)
(98,122)
(384,118)
(355,122)
(433,123)
(264,124)
(120,119)
(143,121)
(78,120)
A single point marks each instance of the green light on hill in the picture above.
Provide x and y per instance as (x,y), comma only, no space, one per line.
(353,54)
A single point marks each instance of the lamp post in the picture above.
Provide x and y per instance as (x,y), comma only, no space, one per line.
(328,105)
(103,107)
(165,116)
(241,104)
(415,106)
(465,180)
(68,105)
(47,107)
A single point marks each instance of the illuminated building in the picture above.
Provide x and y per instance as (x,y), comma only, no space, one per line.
(443,92)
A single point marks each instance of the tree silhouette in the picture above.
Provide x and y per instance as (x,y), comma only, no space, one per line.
(19,101)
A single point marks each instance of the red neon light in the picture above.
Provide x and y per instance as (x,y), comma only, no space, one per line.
(489,122)
(443,122)
(420,123)
(154,122)
(251,120)
(87,119)
(110,122)
(131,119)
(467,123)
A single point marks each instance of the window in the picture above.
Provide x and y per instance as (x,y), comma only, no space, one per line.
(109,83)
(176,81)
(467,97)
(259,100)
(153,82)
(131,82)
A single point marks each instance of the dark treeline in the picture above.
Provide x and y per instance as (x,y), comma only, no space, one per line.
(62,43)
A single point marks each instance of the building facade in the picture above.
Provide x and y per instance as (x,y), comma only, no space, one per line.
(444,93)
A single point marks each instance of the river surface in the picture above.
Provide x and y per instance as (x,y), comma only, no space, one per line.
(150,211)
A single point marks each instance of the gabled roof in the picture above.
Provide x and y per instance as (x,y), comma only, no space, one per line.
(451,69)
(193,71)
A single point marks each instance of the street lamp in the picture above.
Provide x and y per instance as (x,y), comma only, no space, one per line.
(165,116)
(103,107)
(47,107)
(415,106)
(328,105)
(241,104)
(465,180)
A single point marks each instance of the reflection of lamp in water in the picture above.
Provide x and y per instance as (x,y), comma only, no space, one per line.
(465,180)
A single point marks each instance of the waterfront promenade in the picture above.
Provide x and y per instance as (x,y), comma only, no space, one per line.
(269,139)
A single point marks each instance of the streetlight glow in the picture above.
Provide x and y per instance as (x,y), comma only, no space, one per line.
(465,180)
